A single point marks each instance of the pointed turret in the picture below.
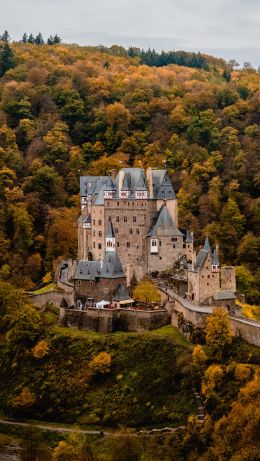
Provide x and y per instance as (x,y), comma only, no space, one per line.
(207,245)
(110,238)
(141,188)
(215,261)
(109,188)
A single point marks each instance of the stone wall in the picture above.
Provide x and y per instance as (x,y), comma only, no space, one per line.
(248,329)
(54,297)
(111,320)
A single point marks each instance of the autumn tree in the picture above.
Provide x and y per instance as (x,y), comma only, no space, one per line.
(218,330)
(146,292)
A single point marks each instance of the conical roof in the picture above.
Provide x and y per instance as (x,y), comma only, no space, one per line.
(215,259)
(126,182)
(141,184)
(207,245)
(110,231)
(109,184)
(164,224)
(112,267)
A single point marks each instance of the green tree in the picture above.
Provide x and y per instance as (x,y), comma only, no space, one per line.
(7,60)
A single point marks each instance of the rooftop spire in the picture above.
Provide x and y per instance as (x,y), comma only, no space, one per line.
(207,245)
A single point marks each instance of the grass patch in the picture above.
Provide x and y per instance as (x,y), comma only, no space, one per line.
(171,332)
(50,287)
(168,331)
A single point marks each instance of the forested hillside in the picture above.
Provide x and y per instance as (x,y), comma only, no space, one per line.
(69,110)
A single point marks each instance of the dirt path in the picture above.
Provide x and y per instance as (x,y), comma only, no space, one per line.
(46,427)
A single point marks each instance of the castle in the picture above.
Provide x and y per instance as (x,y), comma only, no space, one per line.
(128,228)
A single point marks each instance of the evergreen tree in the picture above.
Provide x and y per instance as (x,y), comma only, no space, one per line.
(226,75)
(39,39)
(25,38)
(5,37)
(31,39)
(6,59)
(50,40)
(56,39)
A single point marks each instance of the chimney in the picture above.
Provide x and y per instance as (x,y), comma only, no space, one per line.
(149,176)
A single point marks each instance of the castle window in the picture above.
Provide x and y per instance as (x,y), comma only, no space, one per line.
(79,282)
(99,246)
(94,233)
(125,218)
(130,231)
(154,243)
(174,239)
(100,234)
(160,243)
(94,245)
(117,244)
(91,283)
(188,246)
(117,219)
(184,245)
(128,244)
(100,222)
(116,230)
(94,222)
(137,232)
(208,276)
(134,218)
(117,203)
(174,246)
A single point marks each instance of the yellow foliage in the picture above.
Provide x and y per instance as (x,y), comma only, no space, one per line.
(101,363)
(41,349)
(242,372)
(47,278)
(213,376)
(63,452)
(251,311)
(26,398)
(146,292)
(198,355)
(218,330)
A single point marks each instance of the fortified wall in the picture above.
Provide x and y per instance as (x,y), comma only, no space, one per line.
(111,320)
(55,297)
(248,329)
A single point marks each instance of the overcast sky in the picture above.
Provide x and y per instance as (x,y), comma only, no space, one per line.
(224,28)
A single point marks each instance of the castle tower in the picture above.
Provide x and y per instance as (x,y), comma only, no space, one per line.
(110,238)
(228,278)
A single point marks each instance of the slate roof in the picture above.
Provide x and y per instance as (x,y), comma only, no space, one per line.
(121,294)
(223,295)
(87,270)
(134,179)
(110,231)
(164,224)
(207,245)
(162,185)
(91,184)
(201,257)
(109,184)
(215,259)
(141,184)
(84,219)
(126,182)
(111,266)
